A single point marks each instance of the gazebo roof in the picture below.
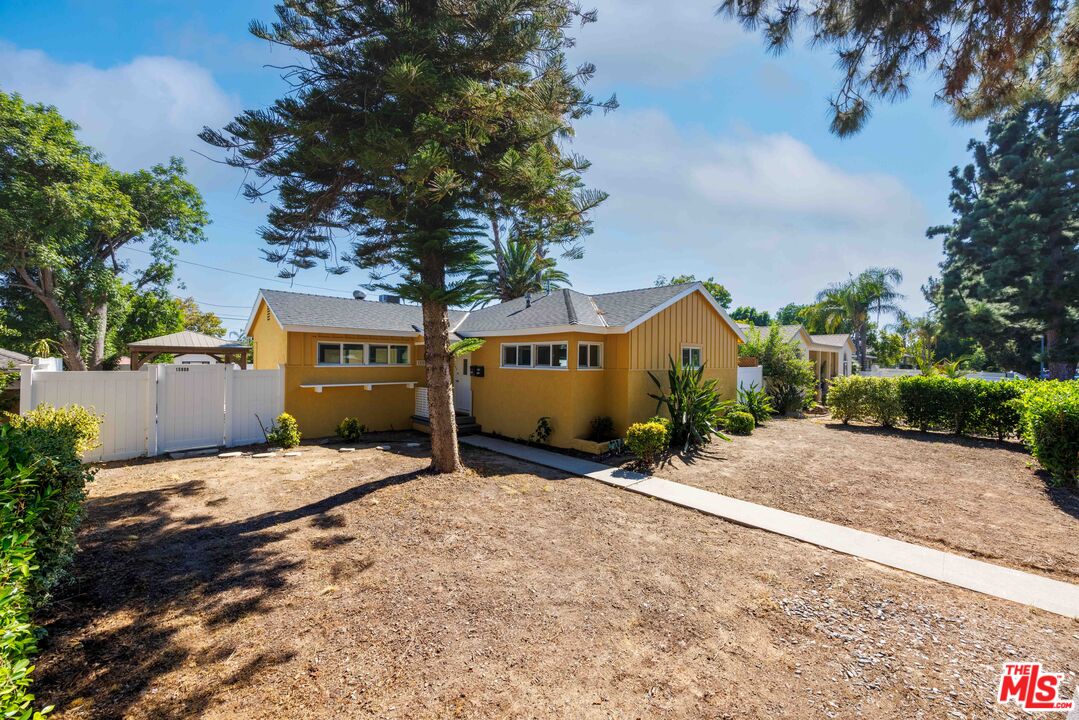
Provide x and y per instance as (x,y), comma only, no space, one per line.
(188,341)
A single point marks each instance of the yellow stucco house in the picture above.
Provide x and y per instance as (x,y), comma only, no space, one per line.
(563,355)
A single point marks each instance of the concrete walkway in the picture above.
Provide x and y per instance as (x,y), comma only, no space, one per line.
(1021,587)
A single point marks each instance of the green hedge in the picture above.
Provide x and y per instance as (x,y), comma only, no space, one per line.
(1044,414)
(42,487)
(1050,426)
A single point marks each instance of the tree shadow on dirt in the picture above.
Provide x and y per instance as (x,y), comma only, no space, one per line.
(931,436)
(1064,497)
(140,573)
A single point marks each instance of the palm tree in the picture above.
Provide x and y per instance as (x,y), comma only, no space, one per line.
(524,270)
(848,305)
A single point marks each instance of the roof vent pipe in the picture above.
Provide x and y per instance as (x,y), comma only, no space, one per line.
(358,294)
(528,300)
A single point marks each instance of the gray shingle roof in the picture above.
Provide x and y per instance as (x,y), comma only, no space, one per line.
(787,332)
(563,307)
(835,340)
(10,358)
(293,308)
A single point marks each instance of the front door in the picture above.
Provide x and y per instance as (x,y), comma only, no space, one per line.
(462,384)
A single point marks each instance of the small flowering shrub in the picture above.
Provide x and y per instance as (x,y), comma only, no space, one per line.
(648,440)
(284,432)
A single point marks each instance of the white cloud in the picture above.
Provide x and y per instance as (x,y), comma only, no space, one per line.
(659,44)
(764,214)
(136,114)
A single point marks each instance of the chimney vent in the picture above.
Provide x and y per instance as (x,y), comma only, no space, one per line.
(358,294)
(528,300)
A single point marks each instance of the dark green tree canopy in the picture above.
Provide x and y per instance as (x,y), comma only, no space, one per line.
(408,123)
(721,294)
(1011,267)
(64,215)
(751,315)
(989,55)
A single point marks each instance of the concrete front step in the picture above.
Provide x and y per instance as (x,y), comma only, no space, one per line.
(466,425)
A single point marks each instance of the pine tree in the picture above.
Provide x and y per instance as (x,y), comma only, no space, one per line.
(407,122)
(989,55)
(1011,268)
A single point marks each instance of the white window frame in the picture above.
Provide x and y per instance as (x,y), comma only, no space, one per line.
(589,345)
(533,355)
(700,355)
(365,348)
(341,352)
(389,356)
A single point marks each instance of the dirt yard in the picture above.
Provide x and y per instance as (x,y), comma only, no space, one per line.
(355,585)
(977,498)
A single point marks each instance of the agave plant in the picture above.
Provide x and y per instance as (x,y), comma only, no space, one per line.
(693,403)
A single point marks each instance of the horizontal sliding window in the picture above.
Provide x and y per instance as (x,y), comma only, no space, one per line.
(331,353)
(536,355)
(589,355)
(387,354)
(340,354)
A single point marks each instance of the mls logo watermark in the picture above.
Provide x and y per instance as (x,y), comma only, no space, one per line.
(1034,690)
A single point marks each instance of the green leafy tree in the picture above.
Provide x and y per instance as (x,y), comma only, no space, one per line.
(989,55)
(523,270)
(791,314)
(406,122)
(64,216)
(148,315)
(889,348)
(788,377)
(1011,263)
(849,306)
(721,294)
(751,315)
(197,320)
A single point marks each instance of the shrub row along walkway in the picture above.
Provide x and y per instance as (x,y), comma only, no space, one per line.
(1040,592)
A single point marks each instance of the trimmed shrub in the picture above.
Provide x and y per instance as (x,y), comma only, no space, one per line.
(1050,426)
(351,429)
(855,397)
(284,432)
(740,423)
(755,401)
(42,487)
(647,440)
(924,401)
(996,408)
(602,429)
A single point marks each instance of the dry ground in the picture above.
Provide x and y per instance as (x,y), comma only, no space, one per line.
(354,585)
(977,498)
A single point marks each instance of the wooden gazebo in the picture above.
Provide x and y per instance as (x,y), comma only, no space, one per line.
(186,342)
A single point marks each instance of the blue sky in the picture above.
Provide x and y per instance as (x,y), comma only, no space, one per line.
(719,161)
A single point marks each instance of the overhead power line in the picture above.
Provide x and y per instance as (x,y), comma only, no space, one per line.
(247,275)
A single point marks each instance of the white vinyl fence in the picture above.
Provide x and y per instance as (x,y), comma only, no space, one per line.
(163,408)
(748,376)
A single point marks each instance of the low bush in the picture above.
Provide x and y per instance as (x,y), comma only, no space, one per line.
(854,397)
(1049,419)
(602,429)
(755,401)
(997,408)
(648,440)
(284,432)
(351,429)
(740,423)
(42,487)
(693,404)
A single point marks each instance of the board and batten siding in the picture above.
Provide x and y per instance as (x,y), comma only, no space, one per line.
(691,321)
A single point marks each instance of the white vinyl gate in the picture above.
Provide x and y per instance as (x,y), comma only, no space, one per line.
(163,408)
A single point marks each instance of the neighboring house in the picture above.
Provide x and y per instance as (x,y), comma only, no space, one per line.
(563,355)
(11,360)
(832,355)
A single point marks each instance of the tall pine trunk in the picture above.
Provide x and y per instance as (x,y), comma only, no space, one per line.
(445,455)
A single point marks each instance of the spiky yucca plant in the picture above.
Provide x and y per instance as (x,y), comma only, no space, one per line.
(693,403)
